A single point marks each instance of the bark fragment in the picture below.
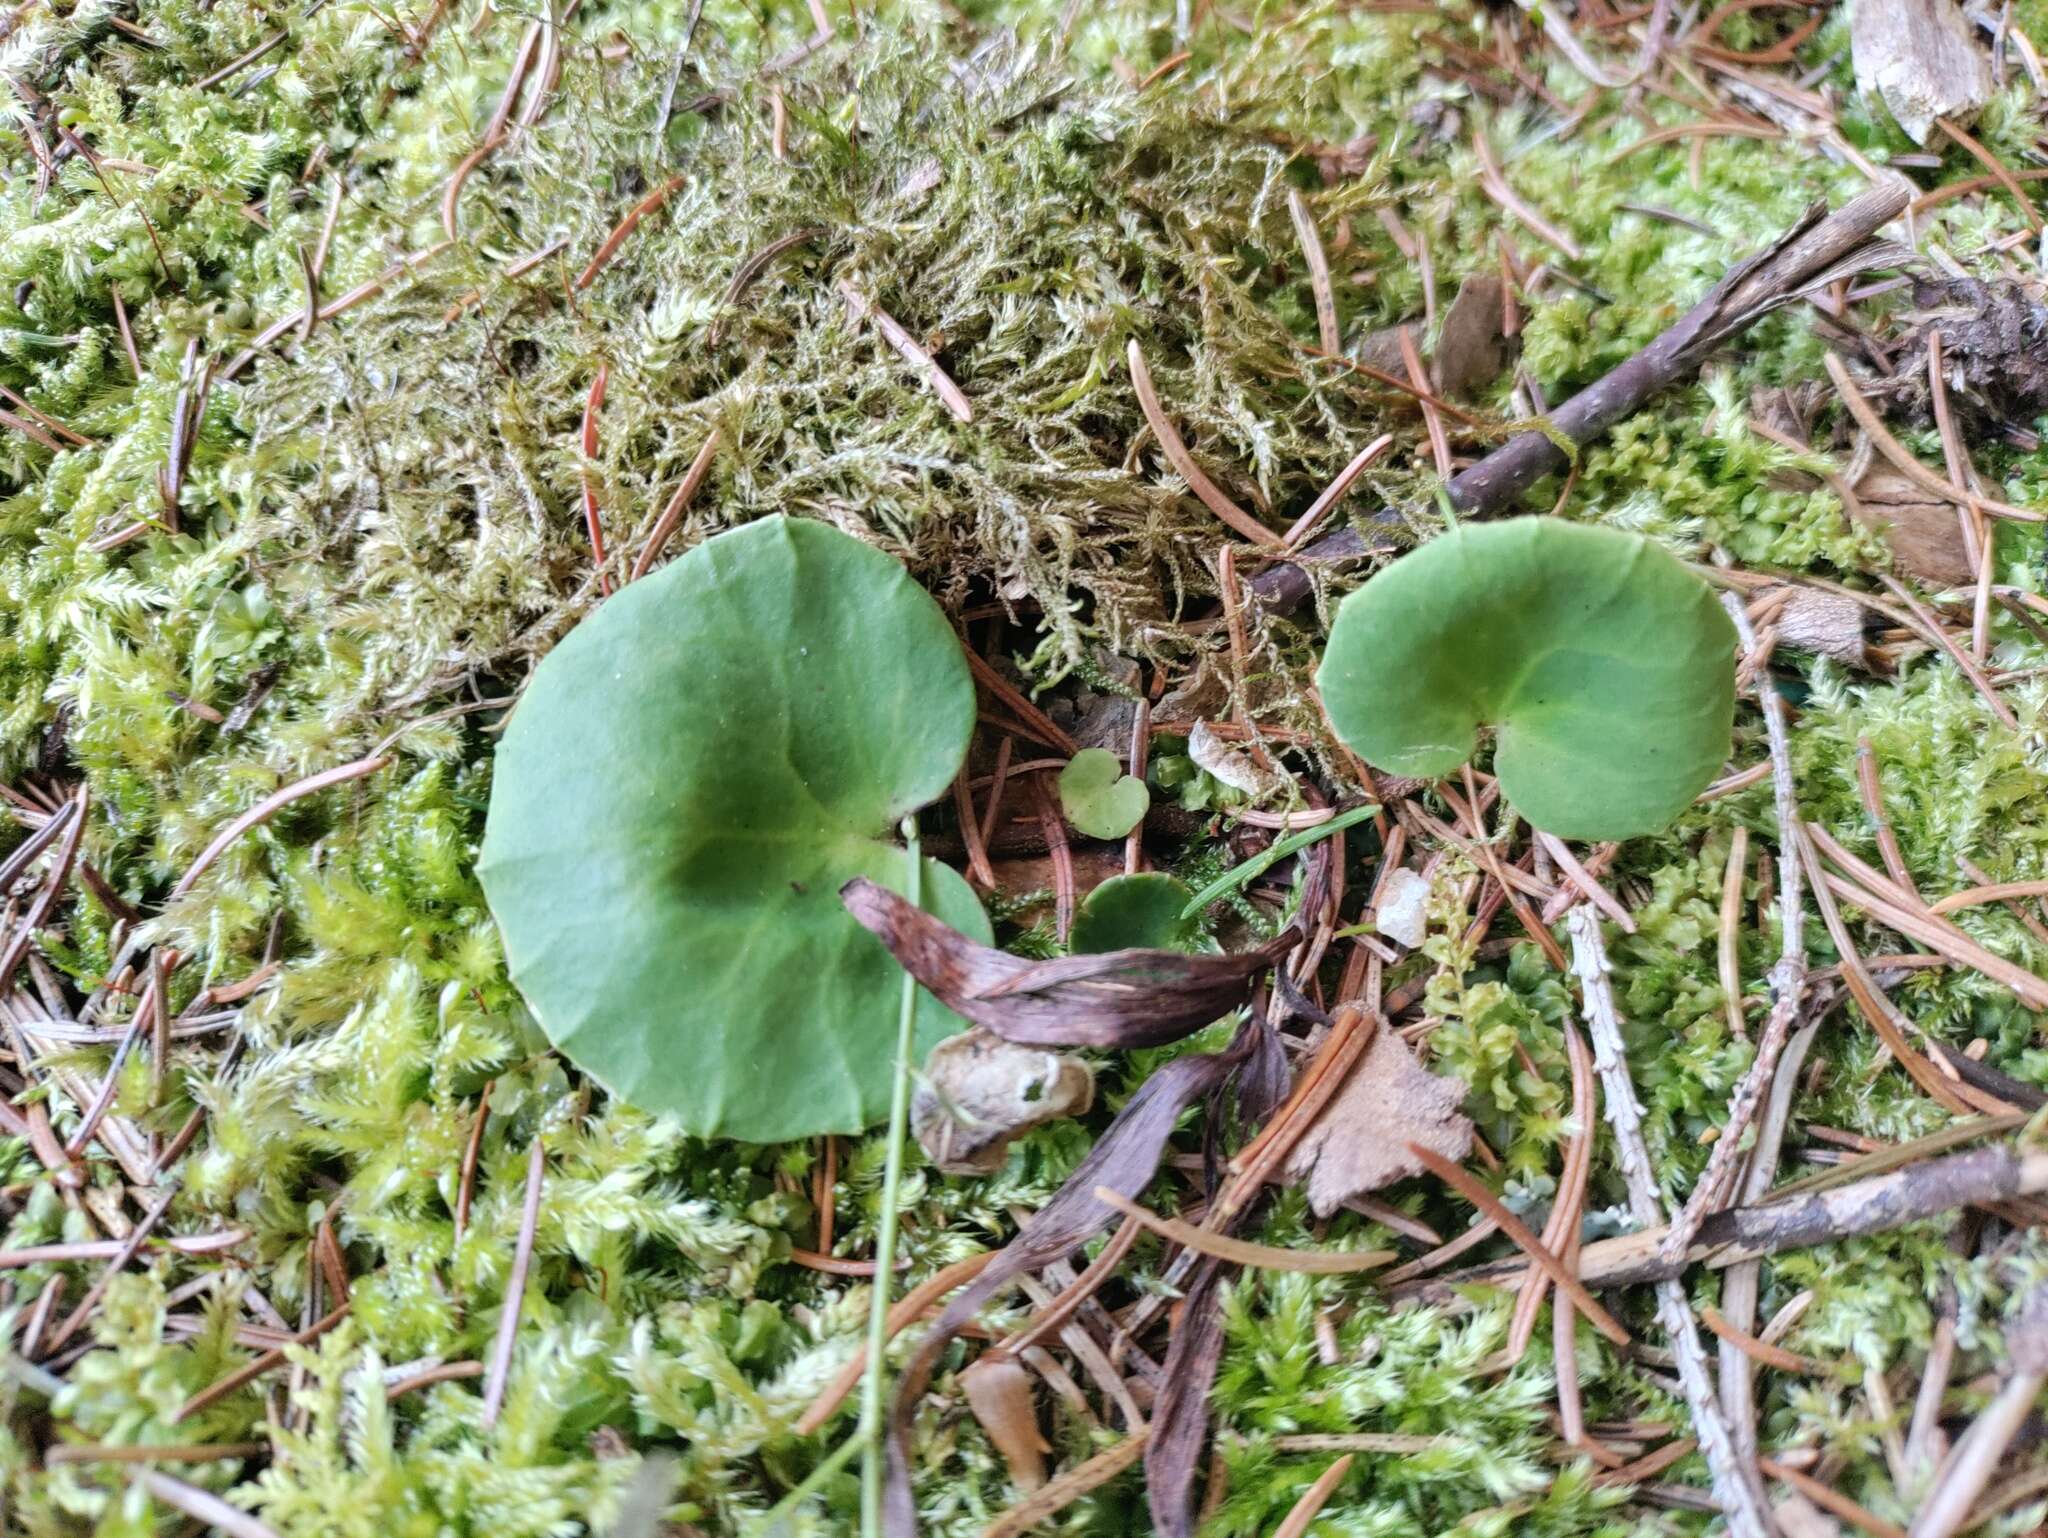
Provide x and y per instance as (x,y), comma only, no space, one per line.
(1918,58)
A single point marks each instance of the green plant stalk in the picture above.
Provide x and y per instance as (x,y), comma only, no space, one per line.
(770,1522)
(870,1433)
(1258,864)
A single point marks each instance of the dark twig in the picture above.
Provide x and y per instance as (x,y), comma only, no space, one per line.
(1815,251)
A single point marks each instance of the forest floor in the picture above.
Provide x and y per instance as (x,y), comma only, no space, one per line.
(321,330)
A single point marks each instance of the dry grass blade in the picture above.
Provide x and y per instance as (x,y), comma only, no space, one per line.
(1242,1252)
(1175,448)
(515,1288)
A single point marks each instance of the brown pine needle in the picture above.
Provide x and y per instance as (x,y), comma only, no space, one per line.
(1756,1350)
(256,1367)
(1997,891)
(1318,270)
(1495,184)
(1305,1511)
(1309,521)
(1243,1252)
(131,1246)
(1490,1205)
(902,1313)
(1728,952)
(167,1452)
(1996,167)
(1043,1504)
(1830,1499)
(592,403)
(268,808)
(1175,448)
(466,1184)
(1029,714)
(626,226)
(447,1372)
(860,307)
(672,515)
(1063,1307)
(515,1288)
(1882,440)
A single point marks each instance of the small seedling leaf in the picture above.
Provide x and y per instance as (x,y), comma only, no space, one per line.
(1099,798)
(1136,912)
(1605,668)
(690,778)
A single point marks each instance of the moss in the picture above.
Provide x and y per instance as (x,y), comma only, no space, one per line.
(380,530)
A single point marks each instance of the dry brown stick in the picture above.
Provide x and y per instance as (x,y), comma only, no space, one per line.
(1819,247)
(1788,977)
(1736,1485)
(515,1287)
(1875,1204)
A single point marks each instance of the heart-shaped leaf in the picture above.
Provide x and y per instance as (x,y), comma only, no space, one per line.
(1141,912)
(688,781)
(1604,666)
(1099,798)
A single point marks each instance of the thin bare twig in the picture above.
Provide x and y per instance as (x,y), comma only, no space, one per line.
(1736,1487)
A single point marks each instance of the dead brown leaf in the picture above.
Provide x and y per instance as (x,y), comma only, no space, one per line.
(1925,536)
(1471,350)
(1360,1142)
(998,1390)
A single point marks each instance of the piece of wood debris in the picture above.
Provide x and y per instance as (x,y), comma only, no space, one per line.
(1918,58)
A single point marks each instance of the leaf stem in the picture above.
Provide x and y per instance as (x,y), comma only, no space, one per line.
(870,1433)
(1259,864)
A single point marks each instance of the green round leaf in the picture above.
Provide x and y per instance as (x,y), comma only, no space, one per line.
(1099,798)
(1606,669)
(690,778)
(1136,912)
